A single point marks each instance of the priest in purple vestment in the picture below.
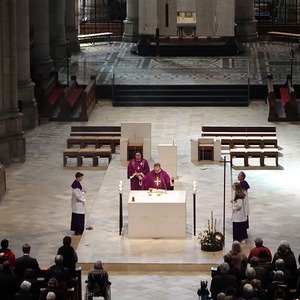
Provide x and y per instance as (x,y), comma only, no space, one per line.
(245,187)
(137,168)
(157,179)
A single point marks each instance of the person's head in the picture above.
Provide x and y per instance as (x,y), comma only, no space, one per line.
(284,248)
(138,156)
(25,286)
(241,176)
(29,274)
(236,247)
(250,273)
(26,248)
(51,296)
(238,189)
(279,275)
(52,282)
(256,283)
(221,296)
(248,289)
(279,264)
(258,242)
(67,240)
(4,244)
(98,265)
(6,266)
(58,259)
(224,268)
(157,168)
(254,261)
(79,176)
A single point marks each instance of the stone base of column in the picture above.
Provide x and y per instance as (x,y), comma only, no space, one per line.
(58,53)
(246,31)
(71,35)
(131,31)
(42,68)
(27,104)
(12,143)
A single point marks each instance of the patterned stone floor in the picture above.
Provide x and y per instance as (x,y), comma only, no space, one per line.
(36,207)
(115,60)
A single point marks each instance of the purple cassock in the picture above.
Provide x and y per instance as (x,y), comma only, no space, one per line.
(134,167)
(159,180)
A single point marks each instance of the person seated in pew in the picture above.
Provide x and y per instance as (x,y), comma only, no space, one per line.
(157,179)
(53,287)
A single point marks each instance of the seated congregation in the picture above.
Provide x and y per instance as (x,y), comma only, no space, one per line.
(258,276)
(22,278)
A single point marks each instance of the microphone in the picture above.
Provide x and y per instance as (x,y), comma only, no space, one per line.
(164,185)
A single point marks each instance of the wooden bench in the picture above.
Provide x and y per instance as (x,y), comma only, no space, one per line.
(286,35)
(74,293)
(93,37)
(97,141)
(254,153)
(80,153)
(69,99)
(249,141)
(96,130)
(88,101)
(227,130)
(285,109)
(48,94)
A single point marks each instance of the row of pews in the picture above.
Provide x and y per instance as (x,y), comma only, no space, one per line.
(92,142)
(65,103)
(246,142)
(282,101)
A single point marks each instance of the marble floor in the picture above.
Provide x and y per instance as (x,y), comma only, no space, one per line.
(36,207)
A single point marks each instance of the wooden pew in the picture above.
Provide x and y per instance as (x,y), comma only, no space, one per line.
(286,107)
(74,293)
(88,101)
(255,153)
(271,100)
(96,130)
(96,141)
(81,153)
(227,130)
(69,100)
(93,37)
(249,141)
(48,94)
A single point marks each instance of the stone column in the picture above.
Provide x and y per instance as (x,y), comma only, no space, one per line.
(71,26)
(246,24)
(12,142)
(131,23)
(41,62)
(57,32)
(26,98)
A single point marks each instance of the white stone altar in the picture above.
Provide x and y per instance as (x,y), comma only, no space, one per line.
(161,215)
(167,157)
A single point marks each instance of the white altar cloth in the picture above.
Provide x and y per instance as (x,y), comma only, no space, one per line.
(157,216)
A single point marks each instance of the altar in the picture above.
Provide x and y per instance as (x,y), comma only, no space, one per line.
(159,214)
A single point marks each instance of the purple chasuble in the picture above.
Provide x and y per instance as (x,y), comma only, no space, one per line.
(137,166)
(157,181)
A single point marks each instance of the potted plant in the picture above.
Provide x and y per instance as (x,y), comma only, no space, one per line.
(211,239)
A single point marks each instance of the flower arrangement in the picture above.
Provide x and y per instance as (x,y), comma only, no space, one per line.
(211,239)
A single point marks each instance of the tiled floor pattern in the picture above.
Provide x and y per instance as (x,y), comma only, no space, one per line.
(36,208)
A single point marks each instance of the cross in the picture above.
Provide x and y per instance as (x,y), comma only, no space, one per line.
(157,181)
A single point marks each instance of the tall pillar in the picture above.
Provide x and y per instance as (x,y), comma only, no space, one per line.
(58,42)
(12,142)
(246,23)
(131,23)
(41,62)
(71,26)
(26,98)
